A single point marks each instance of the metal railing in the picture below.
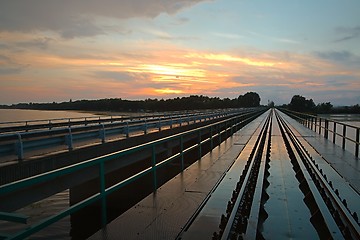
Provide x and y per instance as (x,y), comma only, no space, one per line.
(216,130)
(29,125)
(324,126)
(19,143)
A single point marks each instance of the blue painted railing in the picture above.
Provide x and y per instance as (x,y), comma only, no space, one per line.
(17,144)
(216,130)
(30,125)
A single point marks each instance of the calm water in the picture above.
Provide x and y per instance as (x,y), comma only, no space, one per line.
(14,115)
(342,117)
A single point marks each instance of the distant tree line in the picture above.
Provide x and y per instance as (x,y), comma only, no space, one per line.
(301,104)
(193,102)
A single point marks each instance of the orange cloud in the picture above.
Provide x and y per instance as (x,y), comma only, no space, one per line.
(154,70)
(229,58)
(168,91)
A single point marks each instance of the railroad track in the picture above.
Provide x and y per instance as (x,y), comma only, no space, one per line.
(283,192)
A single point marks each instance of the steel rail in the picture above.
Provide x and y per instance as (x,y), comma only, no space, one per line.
(338,218)
(236,223)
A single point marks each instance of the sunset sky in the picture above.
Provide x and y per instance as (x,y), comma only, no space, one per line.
(57,50)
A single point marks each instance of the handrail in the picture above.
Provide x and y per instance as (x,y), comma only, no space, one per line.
(228,125)
(21,142)
(314,123)
(61,122)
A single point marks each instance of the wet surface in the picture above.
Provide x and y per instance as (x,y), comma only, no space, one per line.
(192,204)
(288,215)
(162,215)
(288,208)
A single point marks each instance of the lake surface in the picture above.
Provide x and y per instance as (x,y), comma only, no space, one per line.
(14,115)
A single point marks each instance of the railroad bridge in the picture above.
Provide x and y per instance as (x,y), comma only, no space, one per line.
(255,174)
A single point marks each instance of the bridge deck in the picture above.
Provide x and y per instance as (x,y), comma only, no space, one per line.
(165,214)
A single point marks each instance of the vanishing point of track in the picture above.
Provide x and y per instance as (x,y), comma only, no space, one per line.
(284,193)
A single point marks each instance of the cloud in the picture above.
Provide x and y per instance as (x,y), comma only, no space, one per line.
(181,20)
(114,75)
(41,43)
(228,35)
(9,71)
(275,39)
(78,18)
(348,33)
(343,57)
(8,66)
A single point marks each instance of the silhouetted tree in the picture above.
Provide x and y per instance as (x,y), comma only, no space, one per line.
(193,102)
(324,107)
(250,99)
(301,104)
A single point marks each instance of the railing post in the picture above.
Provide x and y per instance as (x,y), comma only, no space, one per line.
(182,152)
(26,126)
(312,122)
(315,124)
(69,140)
(127,130)
(199,143)
(102,133)
(211,138)
(171,122)
(219,129)
(102,194)
(357,142)
(343,136)
(145,127)
(153,158)
(334,132)
(159,124)
(320,126)
(326,129)
(19,147)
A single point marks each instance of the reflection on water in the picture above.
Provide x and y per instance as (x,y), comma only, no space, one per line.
(342,117)
(40,210)
(12,115)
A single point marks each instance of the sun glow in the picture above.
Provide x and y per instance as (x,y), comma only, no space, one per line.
(229,58)
(168,91)
(168,70)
